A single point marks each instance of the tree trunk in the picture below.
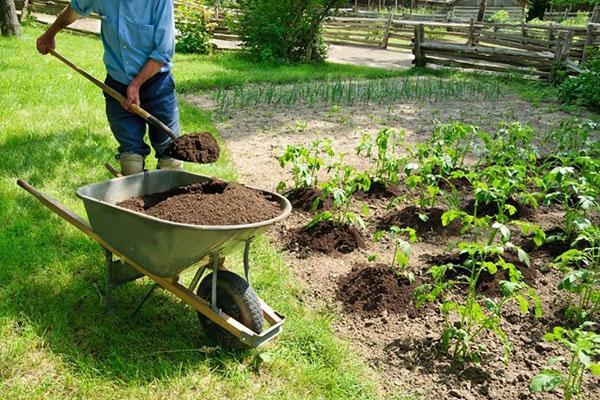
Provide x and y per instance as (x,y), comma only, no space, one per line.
(9,23)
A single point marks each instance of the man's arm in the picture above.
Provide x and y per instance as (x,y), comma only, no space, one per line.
(64,19)
(151,68)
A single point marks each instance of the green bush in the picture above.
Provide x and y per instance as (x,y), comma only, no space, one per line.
(499,17)
(584,89)
(195,30)
(284,30)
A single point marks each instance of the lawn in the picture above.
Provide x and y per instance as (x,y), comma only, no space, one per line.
(56,340)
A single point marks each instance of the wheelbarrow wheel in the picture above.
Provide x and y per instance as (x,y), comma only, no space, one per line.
(235,298)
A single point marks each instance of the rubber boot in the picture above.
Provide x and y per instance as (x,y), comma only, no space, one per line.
(131,163)
(170,163)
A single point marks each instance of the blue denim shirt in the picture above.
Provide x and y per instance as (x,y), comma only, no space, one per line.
(133,31)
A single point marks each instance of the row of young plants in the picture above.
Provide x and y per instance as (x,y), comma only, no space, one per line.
(381,91)
(501,174)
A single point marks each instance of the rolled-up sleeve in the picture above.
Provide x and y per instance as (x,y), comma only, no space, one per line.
(83,7)
(164,32)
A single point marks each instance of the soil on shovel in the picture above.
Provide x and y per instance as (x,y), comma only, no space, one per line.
(372,288)
(213,202)
(325,237)
(195,147)
(410,217)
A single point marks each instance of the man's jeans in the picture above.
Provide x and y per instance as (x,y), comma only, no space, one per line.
(157,96)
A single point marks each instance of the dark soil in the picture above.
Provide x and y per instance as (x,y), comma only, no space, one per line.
(372,288)
(198,147)
(523,211)
(213,202)
(488,284)
(378,190)
(554,246)
(324,237)
(303,199)
(409,217)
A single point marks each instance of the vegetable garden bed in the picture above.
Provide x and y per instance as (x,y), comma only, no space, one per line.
(458,305)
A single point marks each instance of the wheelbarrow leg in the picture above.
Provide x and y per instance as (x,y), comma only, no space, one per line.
(143,300)
(213,294)
(247,260)
(108,256)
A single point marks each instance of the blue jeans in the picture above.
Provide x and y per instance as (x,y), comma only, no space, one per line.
(157,96)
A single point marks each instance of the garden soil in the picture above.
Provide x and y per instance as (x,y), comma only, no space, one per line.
(400,346)
(210,203)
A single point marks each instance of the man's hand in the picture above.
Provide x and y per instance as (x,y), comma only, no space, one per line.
(45,43)
(133,95)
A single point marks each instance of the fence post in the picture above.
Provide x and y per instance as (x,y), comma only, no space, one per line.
(596,15)
(471,39)
(561,53)
(419,60)
(386,35)
(24,11)
(589,40)
(481,12)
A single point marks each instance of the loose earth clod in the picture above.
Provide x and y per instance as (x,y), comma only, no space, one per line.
(198,147)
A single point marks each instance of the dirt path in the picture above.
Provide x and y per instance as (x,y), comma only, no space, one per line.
(399,347)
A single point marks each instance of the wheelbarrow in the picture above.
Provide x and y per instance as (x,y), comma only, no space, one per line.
(138,245)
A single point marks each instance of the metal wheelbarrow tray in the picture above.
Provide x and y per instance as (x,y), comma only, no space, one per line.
(162,250)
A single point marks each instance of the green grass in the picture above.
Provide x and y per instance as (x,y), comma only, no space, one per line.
(230,69)
(56,340)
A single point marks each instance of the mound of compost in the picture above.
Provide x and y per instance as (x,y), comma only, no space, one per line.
(488,284)
(327,238)
(198,147)
(491,209)
(409,217)
(373,288)
(213,202)
(303,199)
(380,191)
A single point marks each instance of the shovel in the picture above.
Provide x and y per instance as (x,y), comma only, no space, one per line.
(196,147)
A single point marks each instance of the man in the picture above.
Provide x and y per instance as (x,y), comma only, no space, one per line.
(139,39)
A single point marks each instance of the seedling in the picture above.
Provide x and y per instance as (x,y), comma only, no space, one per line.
(387,164)
(582,274)
(344,182)
(306,162)
(465,322)
(583,345)
(401,238)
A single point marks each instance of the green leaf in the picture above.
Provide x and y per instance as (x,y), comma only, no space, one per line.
(546,381)
(595,369)
(523,257)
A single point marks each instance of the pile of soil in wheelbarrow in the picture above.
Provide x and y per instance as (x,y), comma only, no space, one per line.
(213,202)
(195,147)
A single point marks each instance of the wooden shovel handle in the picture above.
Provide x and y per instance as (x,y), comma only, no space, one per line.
(117,96)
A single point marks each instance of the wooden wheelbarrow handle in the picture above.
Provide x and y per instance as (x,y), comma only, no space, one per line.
(134,108)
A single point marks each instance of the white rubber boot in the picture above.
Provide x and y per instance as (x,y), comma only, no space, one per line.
(170,163)
(131,163)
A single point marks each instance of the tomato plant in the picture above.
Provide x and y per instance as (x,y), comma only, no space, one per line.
(401,239)
(583,345)
(306,162)
(387,164)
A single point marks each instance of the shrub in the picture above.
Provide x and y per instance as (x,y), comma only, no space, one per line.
(499,17)
(195,30)
(584,89)
(284,30)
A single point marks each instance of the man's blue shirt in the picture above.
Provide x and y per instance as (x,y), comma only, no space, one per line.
(133,31)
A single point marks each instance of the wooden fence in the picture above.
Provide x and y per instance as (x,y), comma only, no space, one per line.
(534,49)
(531,49)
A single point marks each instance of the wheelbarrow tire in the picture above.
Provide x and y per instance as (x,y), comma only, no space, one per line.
(235,298)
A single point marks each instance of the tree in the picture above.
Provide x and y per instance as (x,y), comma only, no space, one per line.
(284,30)
(9,23)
